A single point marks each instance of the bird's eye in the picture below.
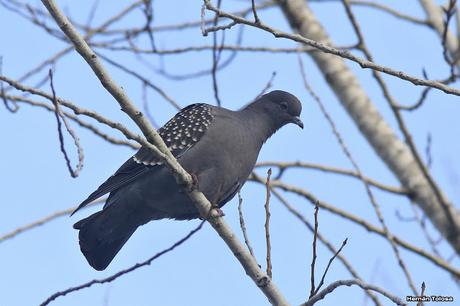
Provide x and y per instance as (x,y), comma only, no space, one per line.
(283,106)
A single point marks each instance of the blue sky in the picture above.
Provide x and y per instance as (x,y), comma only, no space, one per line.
(36,183)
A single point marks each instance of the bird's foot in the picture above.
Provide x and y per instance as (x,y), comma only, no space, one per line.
(215,212)
(194,185)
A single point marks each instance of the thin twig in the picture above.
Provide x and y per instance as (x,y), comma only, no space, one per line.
(267,86)
(334,51)
(313,258)
(15,107)
(148,13)
(243,225)
(449,12)
(90,33)
(267,223)
(422,293)
(283,166)
(321,282)
(202,22)
(122,272)
(92,13)
(146,106)
(44,220)
(216,57)
(321,295)
(205,72)
(76,119)
(175,51)
(77,110)
(73,172)
(144,80)
(419,102)
(254,11)
(429,158)
(385,9)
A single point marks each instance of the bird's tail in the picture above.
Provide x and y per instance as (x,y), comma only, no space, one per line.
(102,236)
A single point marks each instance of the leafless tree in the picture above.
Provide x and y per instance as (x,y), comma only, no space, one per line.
(104,45)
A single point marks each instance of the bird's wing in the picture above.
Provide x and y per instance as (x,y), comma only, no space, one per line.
(227,196)
(180,134)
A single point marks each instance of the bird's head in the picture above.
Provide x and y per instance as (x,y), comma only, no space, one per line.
(281,107)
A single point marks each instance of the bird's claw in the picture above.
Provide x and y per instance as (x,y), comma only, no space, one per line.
(194,185)
(215,212)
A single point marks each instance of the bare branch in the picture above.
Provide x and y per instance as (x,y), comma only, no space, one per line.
(267,223)
(243,225)
(321,295)
(321,282)
(215,57)
(181,26)
(92,13)
(90,33)
(187,49)
(77,110)
(434,14)
(144,80)
(267,86)
(148,12)
(422,293)
(341,53)
(429,158)
(224,63)
(283,166)
(146,106)
(10,108)
(73,172)
(76,119)
(254,11)
(385,9)
(45,220)
(313,258)
(449,12)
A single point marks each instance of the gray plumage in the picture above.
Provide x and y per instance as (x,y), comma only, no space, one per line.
(219,147)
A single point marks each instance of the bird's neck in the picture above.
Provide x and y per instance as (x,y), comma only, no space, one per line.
(258,124)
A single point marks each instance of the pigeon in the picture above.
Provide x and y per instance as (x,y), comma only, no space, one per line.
(217,146)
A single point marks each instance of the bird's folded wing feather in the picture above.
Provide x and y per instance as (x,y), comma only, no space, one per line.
(180,133)
(227,196)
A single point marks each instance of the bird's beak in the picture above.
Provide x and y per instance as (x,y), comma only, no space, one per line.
(296,120)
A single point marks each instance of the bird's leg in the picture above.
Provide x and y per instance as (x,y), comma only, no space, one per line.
(194,185)
(214,212)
